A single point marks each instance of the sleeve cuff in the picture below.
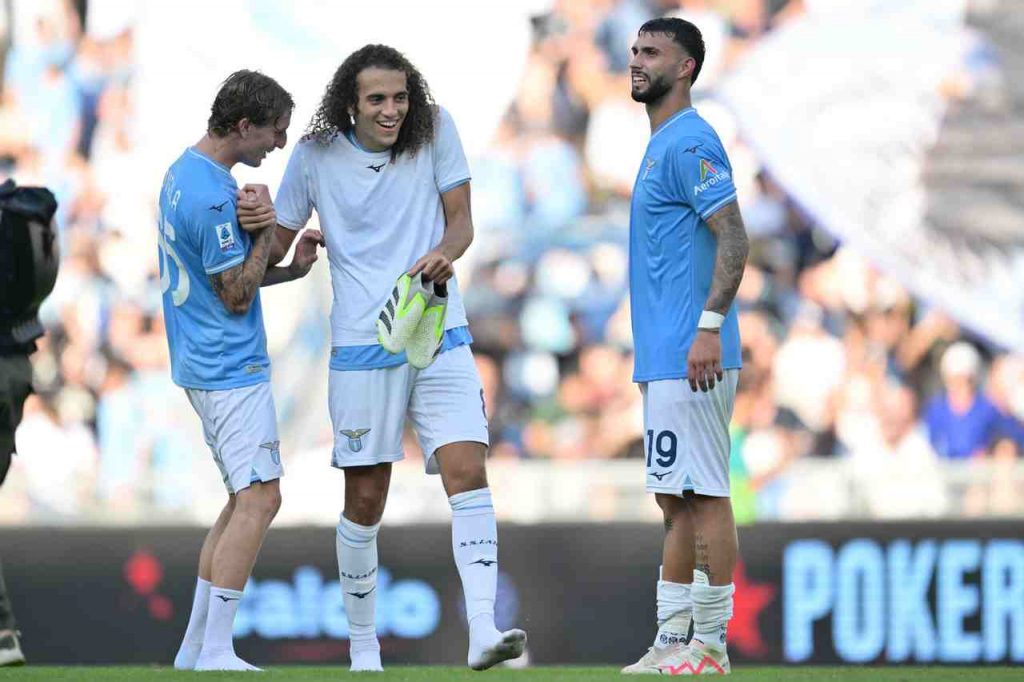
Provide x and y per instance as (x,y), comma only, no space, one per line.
(452,185)
(294,226)
(717,205)
(227,265)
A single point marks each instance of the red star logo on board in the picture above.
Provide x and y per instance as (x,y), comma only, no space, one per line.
(751,598)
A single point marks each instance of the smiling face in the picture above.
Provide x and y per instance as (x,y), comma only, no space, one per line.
(258,141)
(658,64)
(381,108)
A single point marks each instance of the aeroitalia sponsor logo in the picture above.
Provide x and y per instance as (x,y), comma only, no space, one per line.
(706,169)
(710,176)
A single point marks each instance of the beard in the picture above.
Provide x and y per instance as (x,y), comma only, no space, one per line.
(656,89)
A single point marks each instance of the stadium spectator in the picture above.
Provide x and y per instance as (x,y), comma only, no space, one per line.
(961,420)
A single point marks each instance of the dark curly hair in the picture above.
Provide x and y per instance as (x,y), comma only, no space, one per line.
(251,95)
(342,94)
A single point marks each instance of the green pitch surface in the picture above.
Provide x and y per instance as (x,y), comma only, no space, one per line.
(438,674)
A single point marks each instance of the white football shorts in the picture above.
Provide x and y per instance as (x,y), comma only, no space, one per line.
(369,407)
(686,436)
(240,426)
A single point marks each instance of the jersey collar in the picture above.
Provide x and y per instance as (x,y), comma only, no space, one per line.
(219,166)
(673,118)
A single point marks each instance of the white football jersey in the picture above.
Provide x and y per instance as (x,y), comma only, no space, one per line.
(378,218)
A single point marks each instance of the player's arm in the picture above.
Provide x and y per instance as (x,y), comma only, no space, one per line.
(256,212)
(236,287)
(730,258)
(704,361)
(303,259)
(283,238)
(458,235)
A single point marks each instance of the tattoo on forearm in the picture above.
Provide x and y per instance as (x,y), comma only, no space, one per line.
(668,524)
(237,286)
(703,557)
(730,259)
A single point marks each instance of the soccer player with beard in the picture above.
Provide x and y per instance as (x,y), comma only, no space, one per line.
(688,248)
(210,275)
(384,168)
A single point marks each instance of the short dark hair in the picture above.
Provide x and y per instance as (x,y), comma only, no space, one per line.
(251,95)
(342,93)
(685,34)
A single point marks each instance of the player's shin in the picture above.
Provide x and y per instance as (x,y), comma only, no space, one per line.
(475,547)
(675,614)
(357,566)
(712,609)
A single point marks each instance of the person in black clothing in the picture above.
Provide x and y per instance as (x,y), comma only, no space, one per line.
(28,269)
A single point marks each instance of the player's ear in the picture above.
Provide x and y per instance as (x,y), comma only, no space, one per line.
(686,67)
(244,126)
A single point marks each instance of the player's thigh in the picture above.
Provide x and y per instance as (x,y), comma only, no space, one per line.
(240,424)
(368,414)
(686,436)
(447,404)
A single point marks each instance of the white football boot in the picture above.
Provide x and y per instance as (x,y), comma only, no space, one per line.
(697,658)
(511,645)
(402,312)
(425,343)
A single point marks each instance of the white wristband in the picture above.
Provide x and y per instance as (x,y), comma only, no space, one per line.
(710,320)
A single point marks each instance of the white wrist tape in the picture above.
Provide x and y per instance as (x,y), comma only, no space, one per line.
(709,319)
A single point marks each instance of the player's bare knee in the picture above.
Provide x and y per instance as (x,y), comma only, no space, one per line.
(365,507)
(463,467)
(364,500)
(262,500)
(468,475)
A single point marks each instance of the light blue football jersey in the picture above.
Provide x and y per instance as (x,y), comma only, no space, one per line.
(199,236)
(685,177)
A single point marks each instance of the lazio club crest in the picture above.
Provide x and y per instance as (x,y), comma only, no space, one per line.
(355,438)
(275,450)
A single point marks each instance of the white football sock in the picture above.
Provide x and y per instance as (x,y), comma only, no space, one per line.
(357,566)
(475,547)
(675,612)
(220,618)
(192,643)
(712,609)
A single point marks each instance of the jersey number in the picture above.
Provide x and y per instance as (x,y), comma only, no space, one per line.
(165,241)
(665,445)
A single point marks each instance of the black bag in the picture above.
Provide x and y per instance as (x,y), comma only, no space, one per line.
(29,259)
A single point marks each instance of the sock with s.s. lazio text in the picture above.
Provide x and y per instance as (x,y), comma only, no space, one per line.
(357,566)
(475,547)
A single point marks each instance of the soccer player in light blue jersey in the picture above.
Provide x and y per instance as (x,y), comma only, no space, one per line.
(210,275)
(688,248)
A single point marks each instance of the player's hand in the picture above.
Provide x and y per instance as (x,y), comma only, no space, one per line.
(255,209)
(435,266)
(704,363)
(305,253)
(258,193)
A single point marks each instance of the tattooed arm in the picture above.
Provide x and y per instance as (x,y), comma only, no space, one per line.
(704,362)
(302,261)
(727,224)
(236,287)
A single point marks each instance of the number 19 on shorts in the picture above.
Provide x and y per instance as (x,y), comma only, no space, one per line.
(664,446)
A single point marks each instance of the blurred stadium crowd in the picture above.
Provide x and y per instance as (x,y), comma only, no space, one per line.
(841,362)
